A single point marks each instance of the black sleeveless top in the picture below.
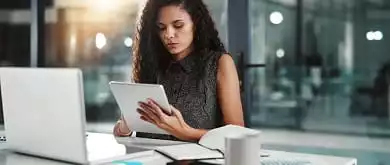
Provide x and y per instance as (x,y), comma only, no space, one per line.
(191,87)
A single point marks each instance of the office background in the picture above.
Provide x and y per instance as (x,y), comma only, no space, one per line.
(307,67)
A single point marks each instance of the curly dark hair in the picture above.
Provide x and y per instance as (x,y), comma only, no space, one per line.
(149,53)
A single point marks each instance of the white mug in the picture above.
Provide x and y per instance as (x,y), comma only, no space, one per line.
(242,150)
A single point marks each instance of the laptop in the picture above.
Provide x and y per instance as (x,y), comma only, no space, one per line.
(44,116)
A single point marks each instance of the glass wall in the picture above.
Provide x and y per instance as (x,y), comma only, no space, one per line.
(351,79)
(341,82)
(338,84)
(273,94)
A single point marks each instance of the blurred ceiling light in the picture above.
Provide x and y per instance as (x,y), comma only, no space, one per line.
(370,36)
(276,17)
(378,35)
(73,43)
(73,40)
(128,42)
(103,5)
(100,40)
(280,53)
(72,49)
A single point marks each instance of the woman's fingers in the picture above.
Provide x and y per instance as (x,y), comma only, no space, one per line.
(156,108)
(175,111)
(148,107)
(150,116)
(147,119)
(144,105)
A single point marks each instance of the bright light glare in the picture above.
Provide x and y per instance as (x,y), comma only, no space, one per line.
(73,40)
(276,17)
(370,36)
(102,5)
(128,42)
(280,53)
(100,40)
(374,35)
(378,35)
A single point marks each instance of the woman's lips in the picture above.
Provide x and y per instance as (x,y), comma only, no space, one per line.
(172,45)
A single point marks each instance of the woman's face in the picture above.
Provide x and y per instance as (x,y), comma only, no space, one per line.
(176,29)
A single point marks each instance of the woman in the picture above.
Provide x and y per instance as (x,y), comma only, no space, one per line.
(178,46)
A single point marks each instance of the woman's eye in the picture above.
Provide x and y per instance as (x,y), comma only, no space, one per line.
(160,27)
(179,25)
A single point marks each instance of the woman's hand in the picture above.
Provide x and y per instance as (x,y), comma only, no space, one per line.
(121,129)
(174,124)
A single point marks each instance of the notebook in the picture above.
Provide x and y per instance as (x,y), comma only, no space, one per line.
(210,146)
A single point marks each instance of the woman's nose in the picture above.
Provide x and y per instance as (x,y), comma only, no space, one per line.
(170,33)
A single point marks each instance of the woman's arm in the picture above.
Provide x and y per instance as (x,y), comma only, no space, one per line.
(228,91)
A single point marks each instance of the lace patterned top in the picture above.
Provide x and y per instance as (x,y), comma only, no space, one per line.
(191,87)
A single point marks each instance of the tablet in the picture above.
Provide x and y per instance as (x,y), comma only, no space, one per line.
(127,96)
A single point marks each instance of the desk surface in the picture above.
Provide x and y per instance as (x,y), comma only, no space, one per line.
(10,158)
(300,158)
(282,155)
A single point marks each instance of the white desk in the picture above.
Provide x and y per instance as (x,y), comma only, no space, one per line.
(299,157)
(274,155)
(10,158)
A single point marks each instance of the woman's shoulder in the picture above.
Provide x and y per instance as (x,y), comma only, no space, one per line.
(214,56)
(212,60)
